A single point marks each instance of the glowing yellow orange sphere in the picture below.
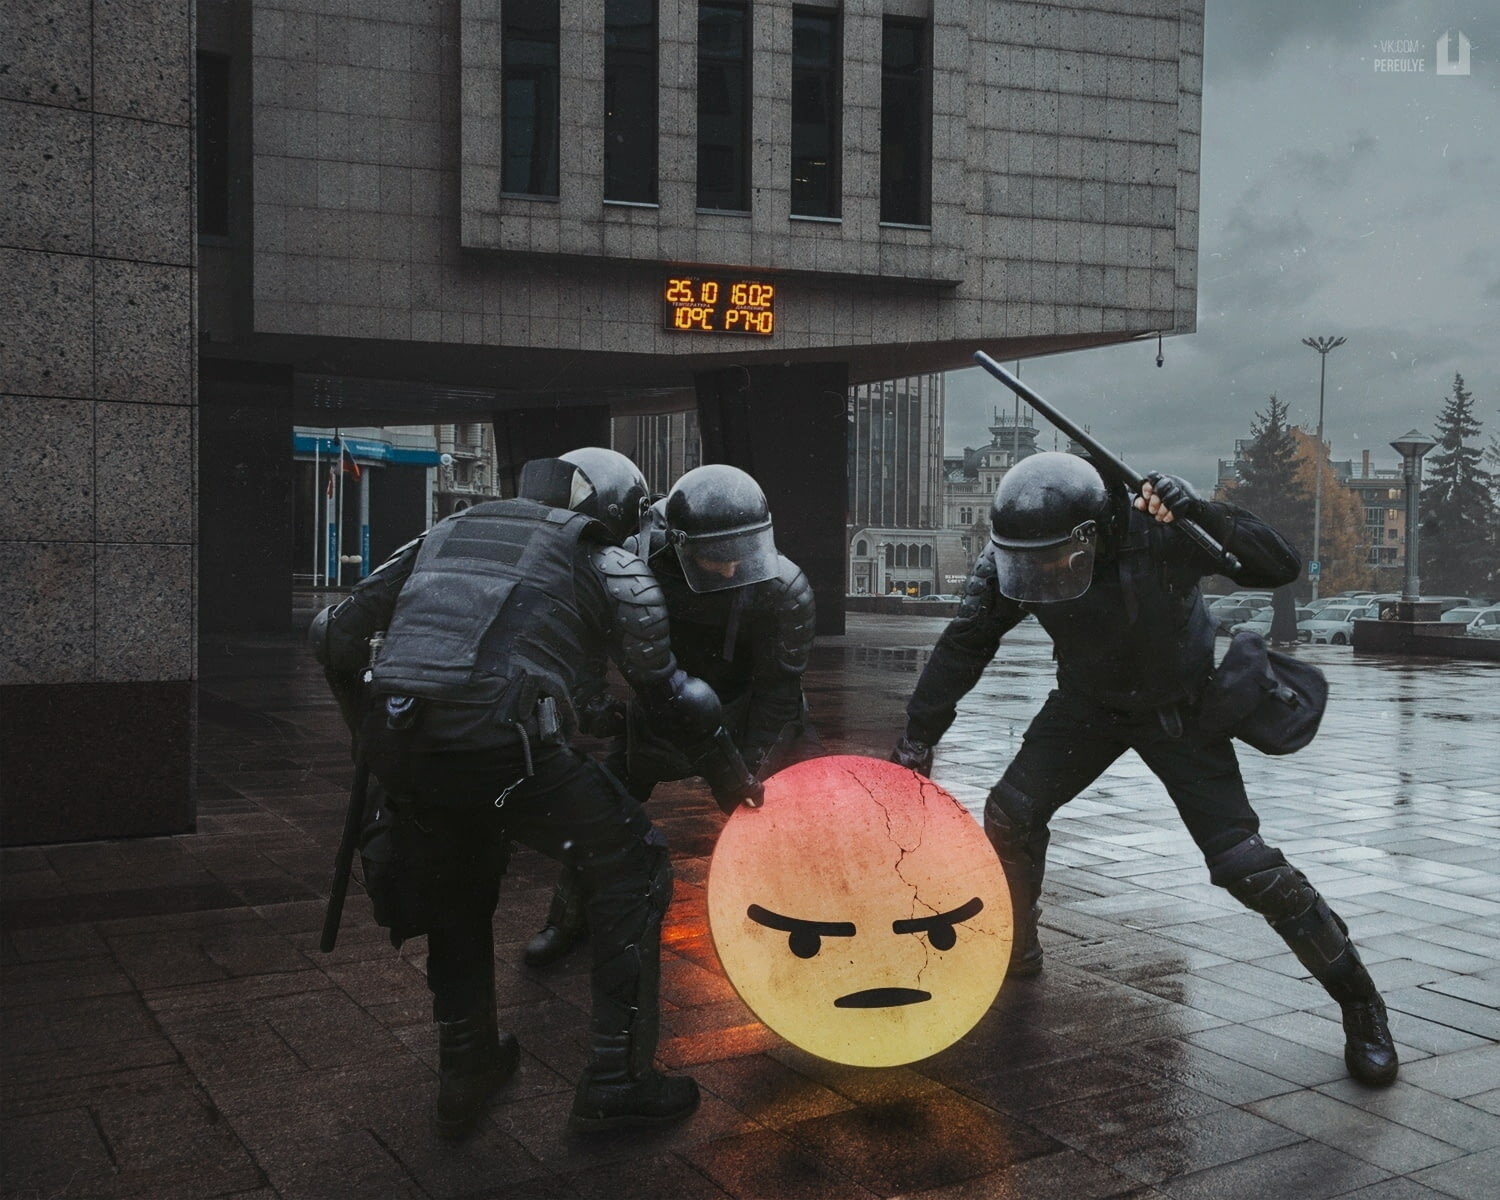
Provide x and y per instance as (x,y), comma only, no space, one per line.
(860,912)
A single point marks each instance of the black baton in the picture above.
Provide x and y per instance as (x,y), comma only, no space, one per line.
(343,862)
(1104,459)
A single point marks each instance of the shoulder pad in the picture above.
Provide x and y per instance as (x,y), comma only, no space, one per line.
(317,635)
(789,596)
(626,576)
(638,613)
(788,590)
(980,585)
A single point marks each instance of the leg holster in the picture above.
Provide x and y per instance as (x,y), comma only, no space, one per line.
(1020,843)
(1260,878)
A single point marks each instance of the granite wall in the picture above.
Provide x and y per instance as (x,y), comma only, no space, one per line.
(97,407)
(1064,184)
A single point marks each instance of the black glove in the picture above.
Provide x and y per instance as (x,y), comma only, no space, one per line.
(730,795)
(916,755)
(728,779)
(1178,495)
(602,716)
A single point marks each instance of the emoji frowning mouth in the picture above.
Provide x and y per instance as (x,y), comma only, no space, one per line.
(886,997)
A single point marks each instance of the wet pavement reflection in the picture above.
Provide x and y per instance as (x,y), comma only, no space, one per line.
(171,1029)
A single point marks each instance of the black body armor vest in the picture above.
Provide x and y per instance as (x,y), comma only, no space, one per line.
(490,614)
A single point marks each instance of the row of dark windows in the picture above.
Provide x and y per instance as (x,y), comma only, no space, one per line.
(898,555)
(530,125)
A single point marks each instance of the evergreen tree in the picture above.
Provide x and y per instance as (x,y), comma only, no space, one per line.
(1270,484)
(1459,553)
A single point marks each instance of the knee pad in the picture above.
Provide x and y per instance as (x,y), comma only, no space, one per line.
(1260,878)
(1010,811)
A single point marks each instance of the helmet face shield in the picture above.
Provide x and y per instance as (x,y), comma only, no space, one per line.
(1047,574)
(713,562)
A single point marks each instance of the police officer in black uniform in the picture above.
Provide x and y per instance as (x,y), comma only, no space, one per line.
(742,620)
(1117,589)
(481,628)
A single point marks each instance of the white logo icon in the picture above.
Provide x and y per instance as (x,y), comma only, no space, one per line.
(1448,66)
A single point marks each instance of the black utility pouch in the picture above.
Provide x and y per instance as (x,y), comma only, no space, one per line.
(1268,700)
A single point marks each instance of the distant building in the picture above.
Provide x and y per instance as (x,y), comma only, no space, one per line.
(1382,494)
(897,542)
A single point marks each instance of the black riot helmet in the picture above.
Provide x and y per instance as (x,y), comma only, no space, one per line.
(591,480)
(720,526)
(1045,524)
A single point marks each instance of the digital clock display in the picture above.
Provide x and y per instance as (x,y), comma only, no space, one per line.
(700,304)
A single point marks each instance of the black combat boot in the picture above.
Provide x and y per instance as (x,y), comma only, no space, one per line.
(613,1095)
(566,925)
(474,1058)
(1369,1052)
(1259,877)
(1026,948)
(1320,940)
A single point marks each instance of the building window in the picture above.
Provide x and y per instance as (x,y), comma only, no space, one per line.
(529,97)
(213,145)
(861,548)
(630,100)
(723,107)
(890,560)
(816,113)
(901,555)
(905,123)
(927,556)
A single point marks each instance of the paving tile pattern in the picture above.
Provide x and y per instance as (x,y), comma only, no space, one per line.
(171,1029)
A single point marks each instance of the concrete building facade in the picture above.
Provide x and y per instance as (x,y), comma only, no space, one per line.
(98,475)
(529,215)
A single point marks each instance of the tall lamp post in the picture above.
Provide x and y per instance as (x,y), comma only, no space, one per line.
(1322,345)
(1411,447)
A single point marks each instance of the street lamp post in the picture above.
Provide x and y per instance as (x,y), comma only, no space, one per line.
(1411,447)
(1322,345)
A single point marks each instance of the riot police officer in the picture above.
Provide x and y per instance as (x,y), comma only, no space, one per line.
(1117,589)
(742,620)
(468,713)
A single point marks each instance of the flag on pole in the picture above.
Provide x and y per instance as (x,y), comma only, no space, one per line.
(346,459)
(333,474)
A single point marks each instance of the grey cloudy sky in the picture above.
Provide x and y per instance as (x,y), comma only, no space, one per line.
(1336,200)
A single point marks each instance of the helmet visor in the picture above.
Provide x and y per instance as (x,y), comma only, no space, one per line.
(1045,575)
(727,560)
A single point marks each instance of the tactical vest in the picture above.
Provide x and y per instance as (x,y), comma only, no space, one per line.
(490,614)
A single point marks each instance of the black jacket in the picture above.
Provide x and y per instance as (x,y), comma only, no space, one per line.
(1139,638)
(750,644)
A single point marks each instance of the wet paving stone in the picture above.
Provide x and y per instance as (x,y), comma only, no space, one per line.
(172,1030)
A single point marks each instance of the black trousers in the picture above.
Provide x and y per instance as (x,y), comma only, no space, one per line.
(1072,741)
(454,817)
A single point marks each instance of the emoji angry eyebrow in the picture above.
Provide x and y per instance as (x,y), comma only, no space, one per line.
(771,920)
(939,920)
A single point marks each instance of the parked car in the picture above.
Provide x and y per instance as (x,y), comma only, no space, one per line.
(1323,602)
(1261,622)
(1486,623)
(1334,625)
(1461,615)
(947,596)
(1226,616)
